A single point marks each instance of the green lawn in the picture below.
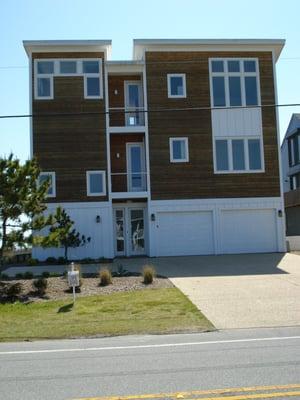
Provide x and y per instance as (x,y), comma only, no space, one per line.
(137,312)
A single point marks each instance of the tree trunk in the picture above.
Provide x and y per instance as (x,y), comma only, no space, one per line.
(3,244)
(66,253)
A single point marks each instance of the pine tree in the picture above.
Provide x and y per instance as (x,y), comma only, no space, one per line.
(22,204)
(62,234)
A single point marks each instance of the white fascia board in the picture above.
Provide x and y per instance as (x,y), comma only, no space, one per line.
(142,45)
(126,67)
(52,46)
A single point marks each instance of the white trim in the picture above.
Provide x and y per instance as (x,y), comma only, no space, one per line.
(247,170)
(282,232)
(108,158)
(241,74)
(141,46)
(89,193)
(129,195)
(186,144)
(127,129)
(144,77)
(30,106)
(53,182)
(176,96)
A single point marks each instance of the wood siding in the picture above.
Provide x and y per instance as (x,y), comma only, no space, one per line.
(70,145)
(196,179)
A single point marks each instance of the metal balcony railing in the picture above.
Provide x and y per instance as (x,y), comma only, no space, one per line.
(126,117)
(122,182)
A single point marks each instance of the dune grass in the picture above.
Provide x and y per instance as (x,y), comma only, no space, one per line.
(137,312)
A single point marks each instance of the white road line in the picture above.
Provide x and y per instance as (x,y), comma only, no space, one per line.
(149,346)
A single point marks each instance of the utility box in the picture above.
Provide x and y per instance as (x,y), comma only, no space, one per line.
(73,278)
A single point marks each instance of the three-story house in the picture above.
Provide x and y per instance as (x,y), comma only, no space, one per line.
(174,152)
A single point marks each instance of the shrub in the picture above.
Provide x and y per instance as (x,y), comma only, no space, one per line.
(51,260)
(61,260)
(4,277)
(105,277)
(14,290)
(45,274)
(148,273)
(19,275)
(28,275)
(88,260)
(40,285)
(32,261)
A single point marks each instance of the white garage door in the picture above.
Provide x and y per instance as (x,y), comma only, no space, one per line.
(248,231)
(185,233)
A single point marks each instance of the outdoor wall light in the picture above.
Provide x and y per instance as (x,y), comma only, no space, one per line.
(280,213)
(98,219)
(152,217)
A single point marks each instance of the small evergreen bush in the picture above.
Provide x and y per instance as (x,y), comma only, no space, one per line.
(40,285)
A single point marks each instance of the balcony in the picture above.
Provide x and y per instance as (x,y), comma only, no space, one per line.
(128,185)
(132,118)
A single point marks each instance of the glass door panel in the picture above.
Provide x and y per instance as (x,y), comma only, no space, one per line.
(133,103)
(119,231)
(137,231)
(136,167)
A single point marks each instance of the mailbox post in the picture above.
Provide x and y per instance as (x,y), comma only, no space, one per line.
(73,279)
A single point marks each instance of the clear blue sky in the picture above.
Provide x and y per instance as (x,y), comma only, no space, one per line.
(124,20)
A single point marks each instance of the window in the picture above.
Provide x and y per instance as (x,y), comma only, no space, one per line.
(68,67)
(44,176)
(179,150)
(44,80)
(176,85)
(46,70)
(295,181)
(294,150)
(96,185)
(234,82)
(92,82)
(238,155)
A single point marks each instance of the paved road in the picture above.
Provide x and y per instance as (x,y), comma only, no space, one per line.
(72,369)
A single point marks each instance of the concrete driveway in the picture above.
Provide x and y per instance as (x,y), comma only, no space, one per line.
(237,291)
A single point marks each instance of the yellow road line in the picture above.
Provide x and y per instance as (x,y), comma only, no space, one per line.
(253,396)
(180,395)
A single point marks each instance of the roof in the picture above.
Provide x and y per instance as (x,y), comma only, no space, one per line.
(294,125)
(142,45)
(67,46)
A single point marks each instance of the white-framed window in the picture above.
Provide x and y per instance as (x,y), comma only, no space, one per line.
(96,183)
(68,67)
(238,155)
(234,82)
(46,69)
(44,176)
(91,69)
(179,149)
(176,85)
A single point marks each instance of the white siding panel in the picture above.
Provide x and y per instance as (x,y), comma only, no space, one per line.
(236,122)
(248,231)
(185,233)
(84,217)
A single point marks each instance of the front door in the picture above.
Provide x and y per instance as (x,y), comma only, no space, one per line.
(133,103)
(136,177)
(129,231)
